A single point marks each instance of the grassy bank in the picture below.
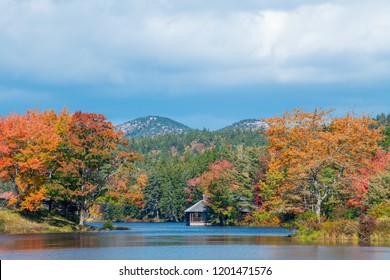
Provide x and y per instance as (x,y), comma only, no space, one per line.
(345,230)
(12,222)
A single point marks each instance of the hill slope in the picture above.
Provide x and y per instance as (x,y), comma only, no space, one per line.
(151,126)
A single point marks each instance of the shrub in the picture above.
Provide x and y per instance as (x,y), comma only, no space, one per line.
(263,218)
(367,226)
(338,228)
(382,229)
(121,228)
(108,225)
(306,219)
(381,210)
(2,226)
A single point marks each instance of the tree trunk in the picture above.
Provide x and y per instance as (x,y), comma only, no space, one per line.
(50,205)
(317,206)
(320,197)
(317,209)
(83,216)
(221,221)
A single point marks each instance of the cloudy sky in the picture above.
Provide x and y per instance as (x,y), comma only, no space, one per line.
(206,63)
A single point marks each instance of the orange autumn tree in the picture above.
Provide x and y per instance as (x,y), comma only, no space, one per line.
(27,155)
(314,156)
(95,161)
(127,185)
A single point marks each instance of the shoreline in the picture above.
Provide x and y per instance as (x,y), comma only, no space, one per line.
(13,222)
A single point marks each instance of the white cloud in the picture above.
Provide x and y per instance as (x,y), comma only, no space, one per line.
(171,44)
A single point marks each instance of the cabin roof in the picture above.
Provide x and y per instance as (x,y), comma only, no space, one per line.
(198,207)
(201,207)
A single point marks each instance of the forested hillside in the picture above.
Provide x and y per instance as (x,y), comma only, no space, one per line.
(170,161)
(175,162)
(305,170)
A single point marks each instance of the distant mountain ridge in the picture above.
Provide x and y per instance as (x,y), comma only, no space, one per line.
(248,124)
(152,126)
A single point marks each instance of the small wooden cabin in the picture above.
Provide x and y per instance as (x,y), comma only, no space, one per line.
(197,214)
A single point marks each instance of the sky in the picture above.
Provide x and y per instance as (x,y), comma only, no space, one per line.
(205,63)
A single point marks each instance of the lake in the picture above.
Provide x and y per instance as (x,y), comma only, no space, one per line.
(167,241)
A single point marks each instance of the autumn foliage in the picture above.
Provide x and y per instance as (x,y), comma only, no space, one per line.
(313,169)
(225,195)
(315,158)
(28,147)
(74,158)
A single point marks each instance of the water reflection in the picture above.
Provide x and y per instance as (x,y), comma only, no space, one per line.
(123,239)
(175,241)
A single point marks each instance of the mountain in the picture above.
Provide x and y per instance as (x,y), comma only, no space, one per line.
(248,124)
(151,126)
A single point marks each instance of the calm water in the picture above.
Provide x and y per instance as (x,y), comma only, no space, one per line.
(176,241)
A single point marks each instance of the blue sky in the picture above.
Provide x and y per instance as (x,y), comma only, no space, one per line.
(203,63)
